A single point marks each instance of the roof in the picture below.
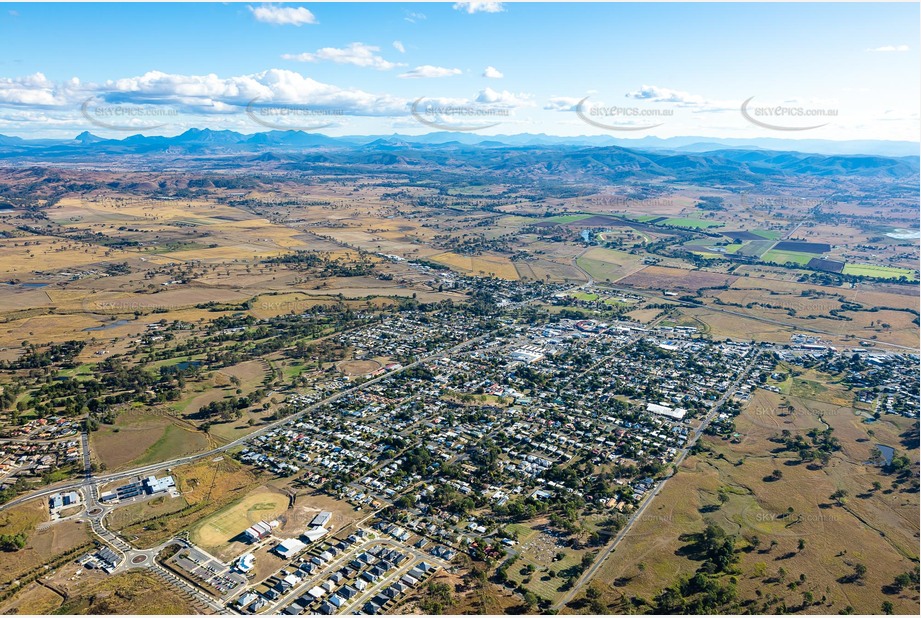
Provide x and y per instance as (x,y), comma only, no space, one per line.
(321,519)
(289,546)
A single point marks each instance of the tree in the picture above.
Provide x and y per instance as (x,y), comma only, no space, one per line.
(801,544)
(902,581)
(839,496)
(887,608)
(860,570)
(13,542)
(530,600)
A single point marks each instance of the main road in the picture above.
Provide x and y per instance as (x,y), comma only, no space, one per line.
(152,468)
(590,572)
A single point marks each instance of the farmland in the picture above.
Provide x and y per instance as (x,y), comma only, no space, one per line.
(725,485)
(879,272)
(490,371)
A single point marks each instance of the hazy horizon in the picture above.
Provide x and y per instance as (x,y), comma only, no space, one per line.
(802,71)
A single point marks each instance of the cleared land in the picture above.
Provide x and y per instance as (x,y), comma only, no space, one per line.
(878,528)
(135,592)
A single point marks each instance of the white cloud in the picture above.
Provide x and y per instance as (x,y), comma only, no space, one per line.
(203,94)
(414,17)
(428,70)
(666,95)
(504,98)
(479,6)
(889,48)
(562,104)
(36,90)
(492,73)
(397,45)
(357,54)
(283,15)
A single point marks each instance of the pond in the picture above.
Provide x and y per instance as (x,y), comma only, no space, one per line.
(108,325)
(887,451)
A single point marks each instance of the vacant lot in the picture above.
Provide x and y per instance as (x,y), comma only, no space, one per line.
(125,516)
(144,436)
(483,265)
(134,592)
(665,278)
(608,264)
(42,545)
(33,599)
(353,368)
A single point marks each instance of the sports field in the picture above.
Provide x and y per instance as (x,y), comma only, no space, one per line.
(217,531)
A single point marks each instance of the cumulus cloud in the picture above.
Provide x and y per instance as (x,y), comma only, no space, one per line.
(427,70)
(492,73)
(503,98)
(358,54)
(479,6)
(36,90)
(205,94)
(397,45)
(666,95)
(562,104)
(889,48)
(283,15)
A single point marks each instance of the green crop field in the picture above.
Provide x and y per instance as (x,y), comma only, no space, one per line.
(879,272)
(567,218)
(782,257)
(768,234)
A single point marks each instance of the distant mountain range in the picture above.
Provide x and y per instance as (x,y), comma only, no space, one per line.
(296,139)
(689,158)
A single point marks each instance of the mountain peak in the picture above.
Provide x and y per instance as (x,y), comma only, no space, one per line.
(88,138)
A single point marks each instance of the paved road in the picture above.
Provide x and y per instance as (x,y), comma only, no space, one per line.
(590,573)
(152,468)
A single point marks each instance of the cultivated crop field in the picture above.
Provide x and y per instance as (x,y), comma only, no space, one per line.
(879,272)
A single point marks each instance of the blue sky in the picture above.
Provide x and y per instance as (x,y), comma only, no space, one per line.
(626,70)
